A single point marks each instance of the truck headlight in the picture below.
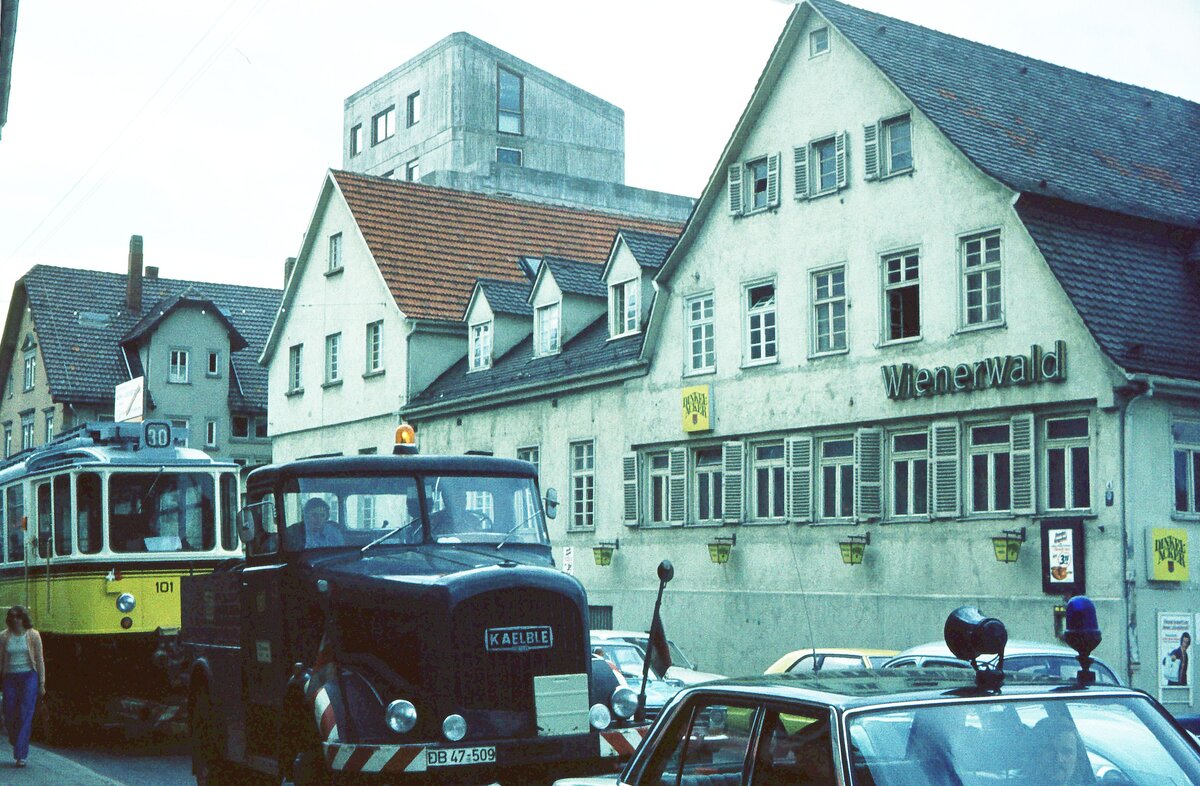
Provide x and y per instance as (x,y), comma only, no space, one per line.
(624,702)
(401,716)
(126,602)
(454,727)
(599,717)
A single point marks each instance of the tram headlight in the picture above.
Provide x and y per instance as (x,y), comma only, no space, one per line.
(401,716)
(454,727)
(126,602)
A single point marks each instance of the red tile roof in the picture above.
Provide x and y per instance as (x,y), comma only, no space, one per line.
(431,243)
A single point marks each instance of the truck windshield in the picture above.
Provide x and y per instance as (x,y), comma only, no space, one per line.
(161,511)
(334,511)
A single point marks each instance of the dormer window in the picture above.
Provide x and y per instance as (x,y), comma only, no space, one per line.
(623,298)
(546,328)
(481,346)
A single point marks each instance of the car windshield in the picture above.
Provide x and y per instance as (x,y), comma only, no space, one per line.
(325,512)
(628,659)
(1066,741)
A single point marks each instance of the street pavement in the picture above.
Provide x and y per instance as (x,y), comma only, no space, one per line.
(45,767)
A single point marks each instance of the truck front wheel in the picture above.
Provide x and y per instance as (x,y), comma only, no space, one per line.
(209,764)
(301,756)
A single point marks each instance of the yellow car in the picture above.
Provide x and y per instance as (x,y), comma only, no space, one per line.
(810,660)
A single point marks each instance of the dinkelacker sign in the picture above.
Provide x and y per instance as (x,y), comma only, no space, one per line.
(907,381)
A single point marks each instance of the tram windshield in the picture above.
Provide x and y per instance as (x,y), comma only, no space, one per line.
(161,512)
(344,511)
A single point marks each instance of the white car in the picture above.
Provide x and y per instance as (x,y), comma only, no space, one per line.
(682,668)
(1033,658)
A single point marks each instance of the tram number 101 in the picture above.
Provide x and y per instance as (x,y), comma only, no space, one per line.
(164,586)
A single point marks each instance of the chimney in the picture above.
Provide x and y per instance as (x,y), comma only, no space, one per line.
(133,284)
(288,266)
(151,271)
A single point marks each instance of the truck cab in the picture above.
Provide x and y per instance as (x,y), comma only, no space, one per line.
(398,618)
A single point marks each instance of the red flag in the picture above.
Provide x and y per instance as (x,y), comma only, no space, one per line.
(659,654)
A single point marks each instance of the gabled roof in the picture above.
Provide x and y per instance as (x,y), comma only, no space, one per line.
(80,320)
(649,249)
(1037,127)
(1129,279)
(507,297)
(589,353)
(576,278)
(163,309)
(431,243)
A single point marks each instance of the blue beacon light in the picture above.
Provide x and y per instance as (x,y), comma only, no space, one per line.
(1082,634)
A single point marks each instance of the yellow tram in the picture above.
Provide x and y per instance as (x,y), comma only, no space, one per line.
(96,529)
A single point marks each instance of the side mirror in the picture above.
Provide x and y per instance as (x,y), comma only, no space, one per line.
(255,519)
(246,525)
(551,503)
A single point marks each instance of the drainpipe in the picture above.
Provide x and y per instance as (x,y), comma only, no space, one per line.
(1144,389)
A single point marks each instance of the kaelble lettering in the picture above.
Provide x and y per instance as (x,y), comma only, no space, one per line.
(906,381)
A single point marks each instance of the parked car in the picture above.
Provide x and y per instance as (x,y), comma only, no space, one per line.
(1020,657)
(628,659)
(683,668)
(912,727)
(829,659)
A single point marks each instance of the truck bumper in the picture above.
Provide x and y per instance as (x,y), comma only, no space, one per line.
(367,758)
(621,743)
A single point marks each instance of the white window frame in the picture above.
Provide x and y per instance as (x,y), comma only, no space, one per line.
(623,317)
(909,458)
(984,268)
(412,170)
(374,347)
(582,483)
(30,370)
(752,184)
(8,440)
(658,487)
(27,431)
(767,478)
(761,320)
(481,346)
(356,140)
(233,426)
(503,114)
(843,477)
(210,434)
(383,125)
(412,109)
(990,452)
(532,454)
(177,369)
(295,368)
(899,271)
(825,306)
(333,358)
(1068,448)
(699,314)
(708,480)
(1185,448)
(49,419)
(213,369)
(815,161)
(548,328)
(887,152)
(335,252)
(815,49)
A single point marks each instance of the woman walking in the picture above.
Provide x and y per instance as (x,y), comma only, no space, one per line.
(24,671)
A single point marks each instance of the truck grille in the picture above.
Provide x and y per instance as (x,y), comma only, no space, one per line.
(504,680)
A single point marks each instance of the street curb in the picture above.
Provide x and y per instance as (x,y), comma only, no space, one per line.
(51,769)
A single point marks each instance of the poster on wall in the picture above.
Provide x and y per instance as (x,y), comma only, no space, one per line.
(1062,557)
(1174,657)
(568,563)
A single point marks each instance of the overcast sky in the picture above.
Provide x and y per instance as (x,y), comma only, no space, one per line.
(207,127)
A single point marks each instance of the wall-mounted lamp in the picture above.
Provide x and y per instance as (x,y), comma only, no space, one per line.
(1008,545)
(1108,494)
(852,548)
(719,548)
(603,551)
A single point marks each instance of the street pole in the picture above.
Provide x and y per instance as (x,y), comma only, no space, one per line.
(666,572)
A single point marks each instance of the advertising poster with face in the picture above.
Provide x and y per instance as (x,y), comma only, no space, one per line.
(1174,657)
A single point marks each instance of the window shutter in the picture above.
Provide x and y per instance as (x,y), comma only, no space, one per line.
(678,466)
(868,474)
(629,475)
(773,180)
(800,165)
(1021,436)
(731,482)
(871,151)
(735,189)
(839,149)
(945,465)
(798,477)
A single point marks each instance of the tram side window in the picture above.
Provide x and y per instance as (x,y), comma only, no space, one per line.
(15,509)
(44,517)
(89,513)
(62,515)
(229,500)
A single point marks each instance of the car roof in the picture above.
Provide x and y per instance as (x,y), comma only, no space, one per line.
(856,689)
(1013,647)
(839,651)
(619,634)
